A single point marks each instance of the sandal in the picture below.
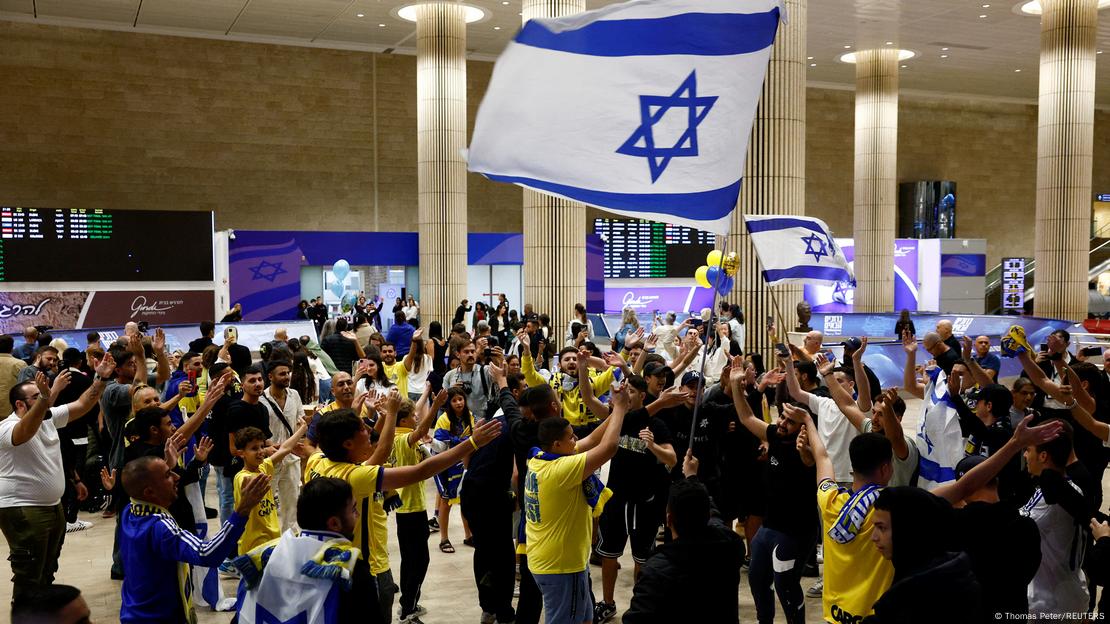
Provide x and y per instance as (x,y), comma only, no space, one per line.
(469,542)
(445,546)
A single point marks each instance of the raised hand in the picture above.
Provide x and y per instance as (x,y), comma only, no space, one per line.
(254,490)
(349,335)
(689,464)
(858,355)
(802,442)
(909,343)
(966,343)
(648,437)
(43,385)
(184,389)
(418,334)
(496,373)
(633,338)
(203,448)
(172,445)
(60,383)
(106,367)
(216,389)
(393,400)
(159,341)
(135,345)
(613,359)
(1032,436)
(619,397)
(673,396)
(774,377)
(108,478)
(486,432)
(651,341)
(524,339)
(1099,530)
(824,366)
(737,374)
(441,399)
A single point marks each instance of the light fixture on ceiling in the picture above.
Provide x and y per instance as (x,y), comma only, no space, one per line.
(890,43)
(986,6)
(903,55)
(497,28)
(1033,7)
(1098,52)
(360,15)
(1017,71)
(505,2)
(809,58)
(847,47)
(944,49)
(381,25)
(470,13)
(982,16)
(813,64)
(905,66)
(943,56)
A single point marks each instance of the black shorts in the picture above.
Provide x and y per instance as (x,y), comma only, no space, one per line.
(745,492)
(623,519)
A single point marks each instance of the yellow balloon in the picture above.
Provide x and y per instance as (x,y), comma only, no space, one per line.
(731,264)
(701,278)
(714,258)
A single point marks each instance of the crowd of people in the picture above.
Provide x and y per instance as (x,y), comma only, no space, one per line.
(673,441)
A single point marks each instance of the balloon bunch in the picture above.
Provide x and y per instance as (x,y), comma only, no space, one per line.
(718,271)
(338,287)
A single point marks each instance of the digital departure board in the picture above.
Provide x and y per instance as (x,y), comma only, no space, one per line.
(635,248)
(92,245)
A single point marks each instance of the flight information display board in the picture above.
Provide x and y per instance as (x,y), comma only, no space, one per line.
(635,248)
(93,245)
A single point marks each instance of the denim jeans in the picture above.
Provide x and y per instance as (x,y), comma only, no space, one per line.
(225,487)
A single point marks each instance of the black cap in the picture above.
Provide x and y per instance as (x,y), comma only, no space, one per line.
(71,356)
(852,343)
(654,368)
(966,464)
(690,377)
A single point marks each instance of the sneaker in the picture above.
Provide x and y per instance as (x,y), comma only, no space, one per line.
(604,611)
(210,513)
(488,618)
(412,618)
(746,563)
(817,589)
(228,571)
(1013,342)
(419,610)
(433,525)
(80,525)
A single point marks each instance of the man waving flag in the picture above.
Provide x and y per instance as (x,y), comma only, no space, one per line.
(642,108)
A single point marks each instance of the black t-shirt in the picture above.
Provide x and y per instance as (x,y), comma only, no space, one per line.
(242,414)
(712,425)
(947,360)
(219,426)
(792,487)
(635,471)
(1005,551)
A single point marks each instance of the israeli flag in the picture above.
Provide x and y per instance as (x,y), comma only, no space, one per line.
(797,249)
(642,108)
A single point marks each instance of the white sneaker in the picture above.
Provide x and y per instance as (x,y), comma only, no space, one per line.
(80,525)
(817,589)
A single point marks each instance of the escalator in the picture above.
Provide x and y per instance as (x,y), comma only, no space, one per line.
(1099,263)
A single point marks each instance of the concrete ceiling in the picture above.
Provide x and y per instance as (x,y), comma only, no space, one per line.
(987,43)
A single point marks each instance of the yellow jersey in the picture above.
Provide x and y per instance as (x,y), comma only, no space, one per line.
(366,483)
(398,375)
(404,454)
(856,573)
(558,520)
(262,522)
(566,386)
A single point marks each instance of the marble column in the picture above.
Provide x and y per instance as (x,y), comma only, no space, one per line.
(875,194)
(1065,138)
(774,179)
(554,228)
(441,170)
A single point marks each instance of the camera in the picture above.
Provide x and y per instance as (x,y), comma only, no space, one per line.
(144,326)
(42,329)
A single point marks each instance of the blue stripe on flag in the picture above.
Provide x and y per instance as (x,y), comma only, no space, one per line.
(833,274)
(699,34)
(700,206)
(785,223)
(929,469)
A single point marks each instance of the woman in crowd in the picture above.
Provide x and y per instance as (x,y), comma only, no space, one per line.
(371,377)
(629,323)
(418,365)
(303,378)
(579,317)
(302,310)
(436,346)
(412,311)
(452,428)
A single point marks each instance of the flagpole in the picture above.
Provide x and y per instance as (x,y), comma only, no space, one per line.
(712,326)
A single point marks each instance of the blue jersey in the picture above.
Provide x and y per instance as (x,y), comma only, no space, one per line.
(157,553)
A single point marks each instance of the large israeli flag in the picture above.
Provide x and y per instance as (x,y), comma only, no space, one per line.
(797,249)
(642,108)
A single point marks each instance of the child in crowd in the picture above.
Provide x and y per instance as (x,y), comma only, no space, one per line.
(452,428)
(250,444)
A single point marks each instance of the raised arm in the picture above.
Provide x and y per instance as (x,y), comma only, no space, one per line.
(892,429)
(158,345)
(909,373)
(792,385)
(586,391)
(428,419)
(607,448)
(186,547)
(290,443)
(979,375)
(863,382)
(977,477)
(135,345)
(843,400)
(385,435)
(407,361)
(736,378)
(88,399)
(1085,419)
(817,448)
(1082,396)
(401,476)
(29,425)
(527,364)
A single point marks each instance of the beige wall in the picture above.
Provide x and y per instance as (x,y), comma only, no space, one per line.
(274,137)
(270,137)
(988,148)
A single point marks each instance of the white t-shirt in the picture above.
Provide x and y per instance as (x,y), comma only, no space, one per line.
(1059,585)
(666,344)
(903,468)
(31,474)
(293,411)
(836,433)
(419,378)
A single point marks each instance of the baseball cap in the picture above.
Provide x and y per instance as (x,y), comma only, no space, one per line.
(852,343)
(690,377)
(966,464)
(995,394)
(654,368)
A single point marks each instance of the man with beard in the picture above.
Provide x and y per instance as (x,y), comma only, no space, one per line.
(284,407)
(46,361)
(565,381)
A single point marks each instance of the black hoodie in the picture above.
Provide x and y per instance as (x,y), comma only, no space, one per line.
(930,584)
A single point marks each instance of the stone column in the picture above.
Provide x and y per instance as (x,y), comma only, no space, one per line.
(554,228)
(441,170)
(875,195)
(774,179)
(1065,138)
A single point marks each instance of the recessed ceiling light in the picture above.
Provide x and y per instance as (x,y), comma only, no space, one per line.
(986,6)
(905,66)
(497,28)
(944,49)
(890,43)
(505,2)
(903,55)
(943,56)
(813,64)
(982,16)
(381,25)
(847,47)
(1017,71)
(809,58)
(1098,52)
(360,15)
(470,13)
(1034,7)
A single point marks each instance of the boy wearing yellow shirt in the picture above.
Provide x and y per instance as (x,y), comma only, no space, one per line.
(412,515)
(346,452)
(856,574)
(262,524)
(561,497)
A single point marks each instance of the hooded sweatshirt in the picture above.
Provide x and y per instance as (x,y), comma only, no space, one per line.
(930,583)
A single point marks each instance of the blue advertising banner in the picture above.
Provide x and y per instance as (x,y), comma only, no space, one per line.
(887,357)
(839,298)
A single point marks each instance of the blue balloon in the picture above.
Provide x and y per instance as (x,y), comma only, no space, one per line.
(726,286)
(341,269)
(714,275)
(336,288)
(349,299)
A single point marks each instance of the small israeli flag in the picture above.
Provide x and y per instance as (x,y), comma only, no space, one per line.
(797,249)
(642,108)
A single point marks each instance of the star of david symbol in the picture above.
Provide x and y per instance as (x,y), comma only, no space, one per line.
(260,271)
(652,110)
(815,246)
(840,292)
